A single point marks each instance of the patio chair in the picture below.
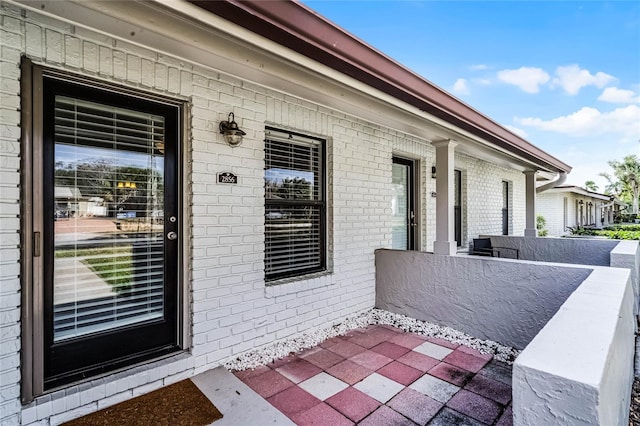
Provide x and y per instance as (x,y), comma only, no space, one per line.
(483,247)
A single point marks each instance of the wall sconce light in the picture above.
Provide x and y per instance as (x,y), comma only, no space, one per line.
(232,134)
(433,172)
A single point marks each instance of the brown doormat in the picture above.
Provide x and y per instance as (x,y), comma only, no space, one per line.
(179,404)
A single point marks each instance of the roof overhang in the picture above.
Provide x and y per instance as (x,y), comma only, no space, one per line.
(299,28)
(576,190)
(287,47)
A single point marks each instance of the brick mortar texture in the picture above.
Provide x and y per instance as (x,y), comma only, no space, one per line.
(231,308)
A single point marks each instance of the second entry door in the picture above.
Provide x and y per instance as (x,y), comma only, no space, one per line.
(405,224)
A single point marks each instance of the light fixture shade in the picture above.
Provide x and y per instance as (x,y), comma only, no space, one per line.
(233,137)
(232,134)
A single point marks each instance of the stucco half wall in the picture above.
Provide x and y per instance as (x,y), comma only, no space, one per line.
(579,251)
(578,369)
(464,292)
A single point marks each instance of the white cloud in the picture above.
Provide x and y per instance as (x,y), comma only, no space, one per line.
(618,96)
(623,121)
(518,131)
(526,78)
(572,78)
(479,67)
(481,81)
(461,87)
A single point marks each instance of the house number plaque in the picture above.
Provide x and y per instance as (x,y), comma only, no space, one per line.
(227,177)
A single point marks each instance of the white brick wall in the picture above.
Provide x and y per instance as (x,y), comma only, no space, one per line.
(232,309)
(482,198)
(550,206)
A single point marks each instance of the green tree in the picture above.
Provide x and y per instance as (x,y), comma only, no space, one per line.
(541,222)
(591,186)
(625,182)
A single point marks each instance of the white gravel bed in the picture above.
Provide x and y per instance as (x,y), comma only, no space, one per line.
(262,356)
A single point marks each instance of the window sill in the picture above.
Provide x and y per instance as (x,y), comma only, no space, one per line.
(293,285)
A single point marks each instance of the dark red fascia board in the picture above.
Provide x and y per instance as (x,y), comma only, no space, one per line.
(300,29)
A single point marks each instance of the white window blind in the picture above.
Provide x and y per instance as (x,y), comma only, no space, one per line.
(294,206)
(109,252)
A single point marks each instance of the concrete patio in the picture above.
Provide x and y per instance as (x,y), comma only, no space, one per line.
(379,375)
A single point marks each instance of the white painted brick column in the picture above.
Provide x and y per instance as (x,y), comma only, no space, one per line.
(530,212)
(445,242)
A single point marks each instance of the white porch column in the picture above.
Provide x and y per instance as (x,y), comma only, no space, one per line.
(530,209)
(599,212)
(606,217)
(445,242)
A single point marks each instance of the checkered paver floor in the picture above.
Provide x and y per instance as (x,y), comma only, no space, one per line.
(380,375)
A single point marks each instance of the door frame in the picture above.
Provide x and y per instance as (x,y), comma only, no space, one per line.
(413,220)
(32,221)
(457,207)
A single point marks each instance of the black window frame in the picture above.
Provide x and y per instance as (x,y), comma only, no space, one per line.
(320,203)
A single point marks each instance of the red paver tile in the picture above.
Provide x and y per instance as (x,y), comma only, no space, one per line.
(353,333)
(330,342)
(371,360)
(475,406)
(407,340)
(346,349)
(251,372)
(298,370)
(269,383)
(442,342)
(507,418)
(367,340)
(324,358)
(293,401)
(474,352)
(416,406)
(349,372)
(490,388)
(352,403)
(464,360)
(321,415)
(309,351)
(451,373)
(418,361)
(282,361)
(386,416)
(390,350)
(391,327)
(387,332)
(400,373)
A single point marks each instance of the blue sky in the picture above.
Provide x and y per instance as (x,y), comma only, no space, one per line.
(565,75)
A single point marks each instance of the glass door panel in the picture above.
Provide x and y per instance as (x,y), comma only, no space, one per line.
(402,205)
(109,245)
(457,206)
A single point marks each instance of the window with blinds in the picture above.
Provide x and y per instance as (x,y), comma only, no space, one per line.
(295,205)
(108,257)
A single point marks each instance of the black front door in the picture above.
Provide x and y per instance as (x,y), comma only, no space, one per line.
(405,223)
(457,206)
(111,220)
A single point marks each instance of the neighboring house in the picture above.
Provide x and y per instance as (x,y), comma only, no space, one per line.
(345,151)
(568,206)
